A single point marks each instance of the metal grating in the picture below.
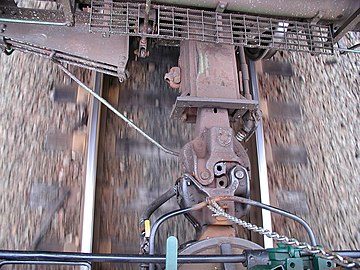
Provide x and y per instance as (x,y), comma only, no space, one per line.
(174,23)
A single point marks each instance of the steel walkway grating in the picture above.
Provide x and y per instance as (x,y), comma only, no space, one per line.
(176,23)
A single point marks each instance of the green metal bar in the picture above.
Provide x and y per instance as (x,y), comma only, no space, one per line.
(171,253)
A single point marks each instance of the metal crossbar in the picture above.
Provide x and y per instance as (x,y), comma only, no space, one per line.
(175,23)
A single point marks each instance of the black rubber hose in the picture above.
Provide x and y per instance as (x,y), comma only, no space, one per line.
(165,217)
(157,203)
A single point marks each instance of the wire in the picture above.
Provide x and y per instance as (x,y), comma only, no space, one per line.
(351,49)
(110,107)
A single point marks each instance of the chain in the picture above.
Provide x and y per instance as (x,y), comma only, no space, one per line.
(315,250)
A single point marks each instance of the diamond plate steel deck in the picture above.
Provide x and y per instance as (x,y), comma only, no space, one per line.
(174,23)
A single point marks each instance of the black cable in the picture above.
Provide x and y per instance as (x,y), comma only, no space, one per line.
(165,217)
(157,203)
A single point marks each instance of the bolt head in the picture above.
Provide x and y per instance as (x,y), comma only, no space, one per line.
(224,137)
(239,174)
(205,174)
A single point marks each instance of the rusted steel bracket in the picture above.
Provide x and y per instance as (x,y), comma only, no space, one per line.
(214,162)
(46,33)
(186,107)
(207,77)
(74,45)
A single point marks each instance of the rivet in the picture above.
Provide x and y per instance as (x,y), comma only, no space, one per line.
(205,174)
(239,174)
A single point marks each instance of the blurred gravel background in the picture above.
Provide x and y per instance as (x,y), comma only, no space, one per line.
(328,92)
(326,87)
(28,114)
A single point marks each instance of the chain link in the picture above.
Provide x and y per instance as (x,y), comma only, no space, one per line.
(315,250)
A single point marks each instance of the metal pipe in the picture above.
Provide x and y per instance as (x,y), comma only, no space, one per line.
(344,253)
(157,224)
(245,73)
(73,257)
(349,253)
(157,203)
(261,159)
(272,209)
(24,262)
(165,217)
(111,108)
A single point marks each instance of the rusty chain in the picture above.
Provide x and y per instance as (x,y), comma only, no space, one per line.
(315,250)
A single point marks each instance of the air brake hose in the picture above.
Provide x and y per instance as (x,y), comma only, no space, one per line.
(157,203)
